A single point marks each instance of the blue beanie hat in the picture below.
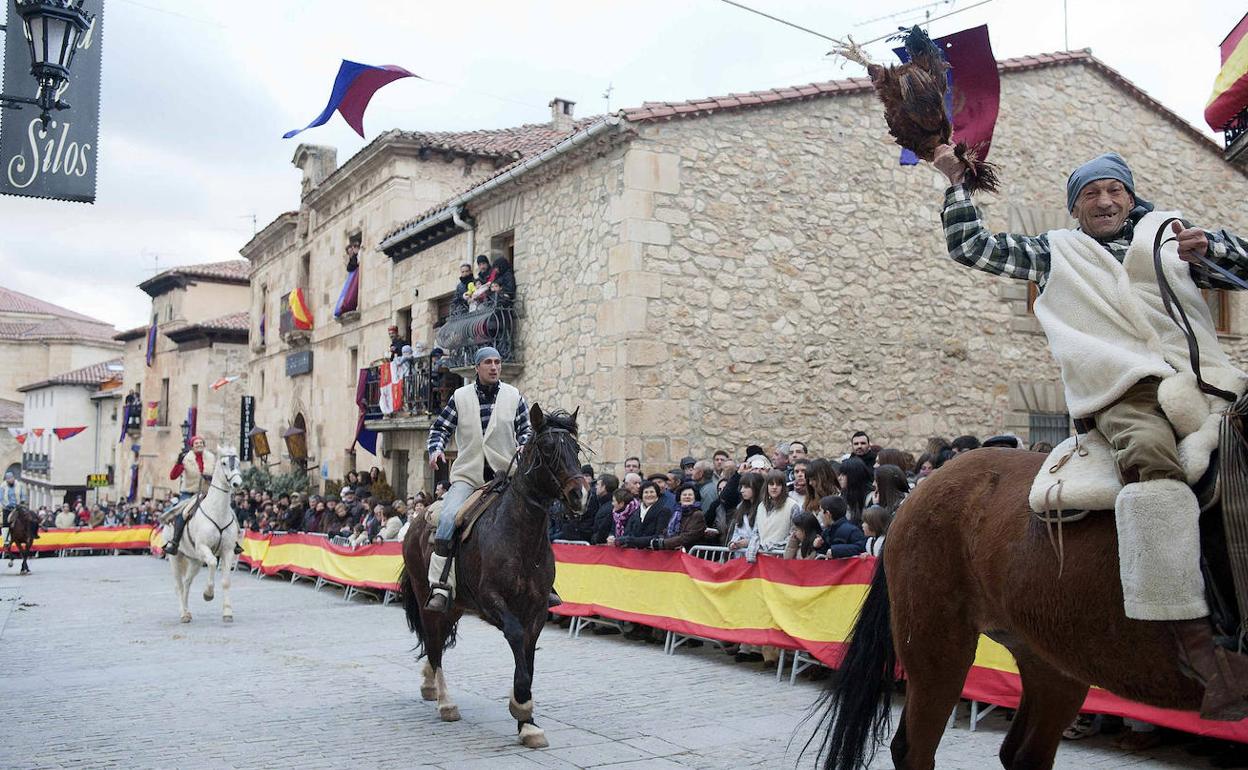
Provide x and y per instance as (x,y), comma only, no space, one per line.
(484,353)
(1108,166)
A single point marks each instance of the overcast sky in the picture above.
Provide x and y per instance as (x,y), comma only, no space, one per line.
(196,97)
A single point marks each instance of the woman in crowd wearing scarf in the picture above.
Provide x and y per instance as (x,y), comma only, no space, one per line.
(623,505)
(687,527)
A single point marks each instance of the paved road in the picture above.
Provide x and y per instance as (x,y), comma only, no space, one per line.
(97,672)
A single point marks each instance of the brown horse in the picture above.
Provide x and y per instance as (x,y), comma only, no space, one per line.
(23,527)
(505,570)
(965,556)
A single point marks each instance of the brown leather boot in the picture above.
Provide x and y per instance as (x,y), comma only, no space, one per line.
(1223,674)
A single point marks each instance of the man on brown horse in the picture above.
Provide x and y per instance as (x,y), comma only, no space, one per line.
(489,420)
(1129,370)
(11,496)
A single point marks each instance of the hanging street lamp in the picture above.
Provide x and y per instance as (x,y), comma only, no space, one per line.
(53,31)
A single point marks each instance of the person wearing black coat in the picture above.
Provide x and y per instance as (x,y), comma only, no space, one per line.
(842,537)
(648,522)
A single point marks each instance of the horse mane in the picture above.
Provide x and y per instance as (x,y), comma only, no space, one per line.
(561,419)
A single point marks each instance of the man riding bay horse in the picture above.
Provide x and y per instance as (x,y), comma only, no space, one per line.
(1128,369)
(12,495)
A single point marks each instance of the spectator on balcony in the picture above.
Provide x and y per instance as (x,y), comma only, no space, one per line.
(687,525)
(396,342)
(459,300)
(647,522)
(503,282)
(483,270)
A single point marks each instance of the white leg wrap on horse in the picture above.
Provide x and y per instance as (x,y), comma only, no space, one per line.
(521,711)
(532,736)
(428,686)
(1159,551)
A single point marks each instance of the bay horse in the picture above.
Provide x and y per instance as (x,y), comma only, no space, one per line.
(504,570)
(23,527)
(966,556)
(210,537)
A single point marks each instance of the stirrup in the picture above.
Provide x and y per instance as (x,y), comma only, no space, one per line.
(171,549)
(440,599)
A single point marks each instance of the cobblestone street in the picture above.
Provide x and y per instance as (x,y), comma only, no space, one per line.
(99,673)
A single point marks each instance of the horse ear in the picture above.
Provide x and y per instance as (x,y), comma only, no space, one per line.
(575,412)
(536,418)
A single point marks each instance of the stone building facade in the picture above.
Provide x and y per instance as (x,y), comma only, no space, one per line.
(201,319)
(758,267)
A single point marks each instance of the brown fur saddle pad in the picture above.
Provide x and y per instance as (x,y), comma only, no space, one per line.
(186,507)
(469,512)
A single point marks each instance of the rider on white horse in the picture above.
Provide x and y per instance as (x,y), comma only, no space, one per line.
(195,469)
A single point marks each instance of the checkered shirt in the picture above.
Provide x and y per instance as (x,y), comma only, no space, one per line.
(444,427)
(1027,257)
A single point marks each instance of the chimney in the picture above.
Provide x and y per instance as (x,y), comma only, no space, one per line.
(317,162)
(561,114)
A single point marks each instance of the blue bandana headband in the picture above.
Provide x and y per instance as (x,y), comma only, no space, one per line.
(1107,166)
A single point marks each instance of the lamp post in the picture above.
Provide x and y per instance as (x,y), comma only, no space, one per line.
(53,30)
(297,447)
(186,433)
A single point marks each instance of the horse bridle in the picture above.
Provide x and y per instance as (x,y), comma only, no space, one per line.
(567,484)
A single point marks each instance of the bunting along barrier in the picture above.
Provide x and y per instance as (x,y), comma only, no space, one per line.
(370,566)
(100,538)
(794,604)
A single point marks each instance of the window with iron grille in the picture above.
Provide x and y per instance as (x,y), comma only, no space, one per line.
(1050,427)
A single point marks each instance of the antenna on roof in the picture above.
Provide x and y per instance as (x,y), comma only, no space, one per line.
(607,95)
(252,217)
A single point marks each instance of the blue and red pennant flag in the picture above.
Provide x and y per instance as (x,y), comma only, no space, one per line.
(974,94)
(353,88)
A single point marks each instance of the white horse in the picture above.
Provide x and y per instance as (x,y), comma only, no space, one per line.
(209,537)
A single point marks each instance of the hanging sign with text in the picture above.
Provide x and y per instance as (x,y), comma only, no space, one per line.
(247,421)
(58,161)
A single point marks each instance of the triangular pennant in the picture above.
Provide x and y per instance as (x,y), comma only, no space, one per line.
(38,432)
(64,433)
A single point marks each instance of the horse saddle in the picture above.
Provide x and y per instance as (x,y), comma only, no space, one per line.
(1081,474)
(469,512)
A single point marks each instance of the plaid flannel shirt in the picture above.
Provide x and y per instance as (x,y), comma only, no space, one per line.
(1027,257)
(444,427)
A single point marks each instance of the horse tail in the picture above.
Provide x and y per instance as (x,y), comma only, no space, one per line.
(856,706)
(411,608)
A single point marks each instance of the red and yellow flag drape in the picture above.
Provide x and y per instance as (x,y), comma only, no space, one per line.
(1230,89)
(300,314)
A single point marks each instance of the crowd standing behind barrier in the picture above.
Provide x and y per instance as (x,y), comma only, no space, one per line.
(633,562)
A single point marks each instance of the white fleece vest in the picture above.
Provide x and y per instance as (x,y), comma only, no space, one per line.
(497,445)
(1108,329)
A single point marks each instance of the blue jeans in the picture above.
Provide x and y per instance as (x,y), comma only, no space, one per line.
(451,503)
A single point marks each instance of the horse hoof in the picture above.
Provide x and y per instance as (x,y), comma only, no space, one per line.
(227,618)
(448,713)
(533,737)
(428,693)
(186,617)
(208,594)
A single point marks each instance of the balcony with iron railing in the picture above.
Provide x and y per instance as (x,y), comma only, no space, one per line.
(492,324)
(412,401)
(1236,134)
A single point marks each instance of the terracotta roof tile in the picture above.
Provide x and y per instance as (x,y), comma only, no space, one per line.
(92,374)
(231,270)
(58,330)
(513,142)
(240,321)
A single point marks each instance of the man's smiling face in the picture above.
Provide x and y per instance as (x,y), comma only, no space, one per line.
(1102,206)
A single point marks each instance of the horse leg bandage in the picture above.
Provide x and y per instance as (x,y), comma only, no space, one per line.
(1159,551)
(523,712)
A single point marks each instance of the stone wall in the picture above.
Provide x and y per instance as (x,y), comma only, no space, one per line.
(793,279)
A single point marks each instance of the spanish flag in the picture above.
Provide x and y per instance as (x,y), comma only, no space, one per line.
(1230,90)
(299,310)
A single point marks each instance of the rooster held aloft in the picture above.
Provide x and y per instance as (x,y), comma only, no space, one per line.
(913,95)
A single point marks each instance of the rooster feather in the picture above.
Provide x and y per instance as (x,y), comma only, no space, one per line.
(913,95)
